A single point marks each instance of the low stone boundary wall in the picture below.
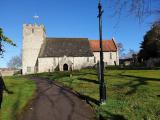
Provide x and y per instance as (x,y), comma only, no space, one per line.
(8,72)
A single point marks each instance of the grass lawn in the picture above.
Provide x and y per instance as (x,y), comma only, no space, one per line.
(132,94)
(13,104)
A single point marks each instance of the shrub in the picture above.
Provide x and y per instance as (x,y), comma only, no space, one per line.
(153,62)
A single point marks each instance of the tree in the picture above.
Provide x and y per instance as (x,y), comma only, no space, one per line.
(15,62)
(3,38)
(123,54)
(150,47)
(121,50)
(130,53)
(137,8)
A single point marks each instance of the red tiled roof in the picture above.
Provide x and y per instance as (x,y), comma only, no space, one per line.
(107,45)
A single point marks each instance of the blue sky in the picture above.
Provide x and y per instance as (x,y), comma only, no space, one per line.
(68,18)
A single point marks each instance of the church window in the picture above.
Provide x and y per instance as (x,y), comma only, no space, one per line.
(32,30)
(87,59)
(94,59)
(110,55)
(28,69)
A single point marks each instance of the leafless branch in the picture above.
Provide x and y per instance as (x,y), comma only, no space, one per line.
(138,8)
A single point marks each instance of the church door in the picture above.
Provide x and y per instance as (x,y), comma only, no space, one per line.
(65,67)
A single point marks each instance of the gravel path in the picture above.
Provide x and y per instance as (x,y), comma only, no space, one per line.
(54,102)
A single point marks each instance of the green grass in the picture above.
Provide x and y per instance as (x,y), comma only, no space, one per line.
(131,94)
(13,104)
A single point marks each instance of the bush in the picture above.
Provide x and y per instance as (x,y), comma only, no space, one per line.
(153,62)
(18,72)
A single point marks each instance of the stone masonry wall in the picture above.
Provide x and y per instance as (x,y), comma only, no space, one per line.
(33,37)
(107,59)
(50,64)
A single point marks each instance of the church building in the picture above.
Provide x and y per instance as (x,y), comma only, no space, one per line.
(43,54)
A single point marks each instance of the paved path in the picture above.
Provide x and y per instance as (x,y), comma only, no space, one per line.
(54,102)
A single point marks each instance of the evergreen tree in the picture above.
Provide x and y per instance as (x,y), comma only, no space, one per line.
(3,38)
(150,47)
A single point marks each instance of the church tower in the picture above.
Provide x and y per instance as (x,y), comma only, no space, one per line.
(33,38)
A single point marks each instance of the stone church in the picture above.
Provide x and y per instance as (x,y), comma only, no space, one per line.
(43,54)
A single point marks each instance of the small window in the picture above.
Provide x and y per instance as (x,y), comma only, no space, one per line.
(110,55)
(28,69)
(88,59)
(32,30)
(94,59)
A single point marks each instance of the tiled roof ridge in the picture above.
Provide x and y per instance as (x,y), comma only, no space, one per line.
(102,40)
(65,38)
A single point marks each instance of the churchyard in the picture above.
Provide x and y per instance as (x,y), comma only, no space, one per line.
(131,94)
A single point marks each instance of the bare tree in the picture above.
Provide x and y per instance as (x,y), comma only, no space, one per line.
(130,53)
(121,50)
(15,62)
(137,8)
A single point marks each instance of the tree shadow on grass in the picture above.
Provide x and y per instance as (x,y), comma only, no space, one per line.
(158,95)
(16,104)
(91,73)
(134,83)
(111,116)
(88,99)
(142,78)
(141,81)
(89,80)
